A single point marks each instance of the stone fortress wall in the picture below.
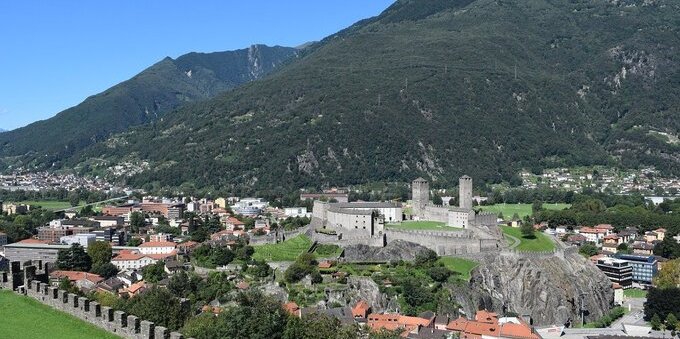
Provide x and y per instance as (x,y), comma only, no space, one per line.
(32,281)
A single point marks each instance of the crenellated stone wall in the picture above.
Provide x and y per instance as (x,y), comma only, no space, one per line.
(33,283)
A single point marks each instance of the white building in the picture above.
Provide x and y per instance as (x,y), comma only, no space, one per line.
(133,260)
(157,247)
(296,212)
(83,239)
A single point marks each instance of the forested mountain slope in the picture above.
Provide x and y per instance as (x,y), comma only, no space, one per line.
(435,88)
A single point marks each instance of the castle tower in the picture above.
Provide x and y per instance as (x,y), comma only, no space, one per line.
(420,196)
(465,192)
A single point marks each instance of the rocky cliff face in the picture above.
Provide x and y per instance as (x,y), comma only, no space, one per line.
(395,250)
(549,289)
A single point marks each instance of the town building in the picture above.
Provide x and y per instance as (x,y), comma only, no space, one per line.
(618,271)
(107,221)
(645,268)
(134,259)
(84,281)
(489,325)
(84,239)
(157,247)
(332,195)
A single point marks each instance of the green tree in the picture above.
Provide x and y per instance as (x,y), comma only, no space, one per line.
(527,230)
(671,322)
(312,326)
(155,272)
(74,258)
(624,248)
(656,322)
(536,206)
(669,276)
(439,273)
(100,252)
(426,257)
(74,198)
(159,306)
(588,249)
(106,270)
(136,221)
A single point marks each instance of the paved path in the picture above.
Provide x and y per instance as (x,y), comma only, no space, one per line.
(515,240)
(91,204)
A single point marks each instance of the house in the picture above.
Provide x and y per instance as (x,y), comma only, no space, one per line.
(3,239)
(129,277)
(393,322)
(627,235)
(660,233)
(487,324)
(326,264)
(187,247)
(593,235)
(134,289)
(651,237)
(607,228)
(83,280)
(157,247)
(576,239)
(643,248)
(131,259)
(232,223)
(360,310)
(611,243)
(173,266)
(618,294)
(111,285)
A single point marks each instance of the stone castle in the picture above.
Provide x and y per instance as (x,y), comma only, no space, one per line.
(355,223)
(462,216)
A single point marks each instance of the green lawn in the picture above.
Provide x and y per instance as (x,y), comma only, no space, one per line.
(24,318)
(635,293)
(48,204)
(423,225)
(522,210)
(462,266)
(540,243)
(288,250)
(327,251)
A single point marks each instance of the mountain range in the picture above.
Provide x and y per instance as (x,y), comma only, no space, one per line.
(146,97)
(434,88)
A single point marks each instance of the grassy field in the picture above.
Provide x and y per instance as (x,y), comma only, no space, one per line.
(462,266)
(423,225)
(49,204)
(522,210)
(540,243)
(288,250)
(635,293)
(327,251)
(25,318)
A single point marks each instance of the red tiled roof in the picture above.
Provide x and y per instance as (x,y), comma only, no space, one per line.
(32,241)
(604,226)
(486,317)
(292,308)
(360,309)
(76,276)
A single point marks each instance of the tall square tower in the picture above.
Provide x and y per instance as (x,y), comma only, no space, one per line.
(465,192)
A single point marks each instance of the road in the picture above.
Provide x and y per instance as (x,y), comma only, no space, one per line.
(634,317)
(91,204)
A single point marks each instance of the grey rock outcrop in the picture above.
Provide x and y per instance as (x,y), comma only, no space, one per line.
(396,250)
(549,289)
(359,288)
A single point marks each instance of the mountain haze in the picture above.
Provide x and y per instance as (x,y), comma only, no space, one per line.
(146,97)
(433,88)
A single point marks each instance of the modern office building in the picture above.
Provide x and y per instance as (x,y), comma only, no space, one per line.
(617,270)
(645,267)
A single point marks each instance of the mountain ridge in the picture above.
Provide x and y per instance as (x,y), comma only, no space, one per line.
(472,87)
(147,96)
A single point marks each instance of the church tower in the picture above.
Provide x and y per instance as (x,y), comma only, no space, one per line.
(420,196)
(465,192)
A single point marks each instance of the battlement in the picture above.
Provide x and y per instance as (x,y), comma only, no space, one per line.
(32,282)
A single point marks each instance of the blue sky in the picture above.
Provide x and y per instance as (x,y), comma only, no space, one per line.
(54,54)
